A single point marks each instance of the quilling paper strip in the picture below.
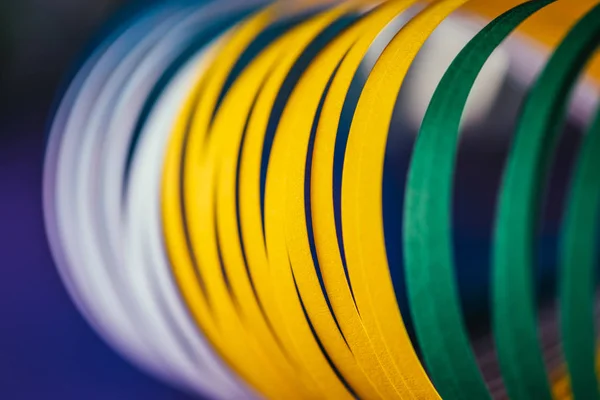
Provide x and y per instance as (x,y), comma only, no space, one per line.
(213,199)
(518,209)
(427,219)
(577,263)
(81,96)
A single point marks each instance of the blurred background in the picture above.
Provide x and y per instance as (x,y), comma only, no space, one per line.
(47,350)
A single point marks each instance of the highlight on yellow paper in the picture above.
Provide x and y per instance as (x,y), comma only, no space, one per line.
(267,255)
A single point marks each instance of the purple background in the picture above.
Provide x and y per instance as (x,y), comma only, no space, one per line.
(47,350)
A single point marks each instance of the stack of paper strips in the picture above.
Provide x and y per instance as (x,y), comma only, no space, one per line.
(338,199)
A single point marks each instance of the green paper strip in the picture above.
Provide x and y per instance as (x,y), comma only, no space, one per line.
(519,206)
(578,258)
(427,218)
